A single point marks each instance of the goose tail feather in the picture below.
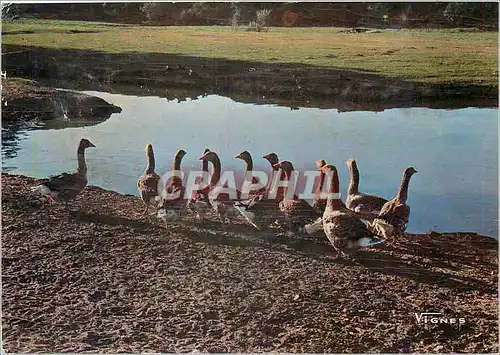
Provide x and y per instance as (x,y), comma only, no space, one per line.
(41,189)
(368,242)
(381,228)
(314,227)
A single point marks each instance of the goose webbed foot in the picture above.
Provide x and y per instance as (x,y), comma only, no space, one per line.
(50,200)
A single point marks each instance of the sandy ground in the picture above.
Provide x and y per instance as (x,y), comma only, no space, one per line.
(96,278)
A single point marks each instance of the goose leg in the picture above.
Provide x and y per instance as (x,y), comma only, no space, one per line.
(145,212)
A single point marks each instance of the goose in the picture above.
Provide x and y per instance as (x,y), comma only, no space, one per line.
(173,204)
(344,229)
(66,186)
(368,206)
(199,202)
(148,182)
(272,158)
(260,210)
(221,202)
(319,203)
(248,178)
(395,214)
(297,213)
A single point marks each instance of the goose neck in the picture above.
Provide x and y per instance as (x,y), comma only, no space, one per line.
(217,171)
(177,162)
(334,188)
(353,179)
(150,167)
(402,195)
(82,166)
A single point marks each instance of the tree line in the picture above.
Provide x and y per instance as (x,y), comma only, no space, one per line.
(481,15)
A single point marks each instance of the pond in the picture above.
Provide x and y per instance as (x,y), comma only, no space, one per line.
(454,151)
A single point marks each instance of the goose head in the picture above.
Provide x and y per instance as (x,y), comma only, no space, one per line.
(245,155)
(410,171)
(320,163)
(85,143)
(149,148)
(328,168)
(209,156)
(272,158)
(181,153)
(351,163)
(285,165)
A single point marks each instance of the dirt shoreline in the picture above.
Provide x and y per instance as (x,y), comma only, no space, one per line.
(96,278)
(291,85)
(26,100)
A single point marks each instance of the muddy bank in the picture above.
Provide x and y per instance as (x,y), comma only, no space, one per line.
(291,85)
(26,100)
(96,278)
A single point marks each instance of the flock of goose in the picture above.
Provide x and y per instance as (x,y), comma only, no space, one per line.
(363,220)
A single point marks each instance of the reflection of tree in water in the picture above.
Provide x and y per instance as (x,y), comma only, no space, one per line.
(12,134)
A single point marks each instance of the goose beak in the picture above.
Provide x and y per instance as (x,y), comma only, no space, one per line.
(266,156)
(238,156)
(91,144)
(204,156)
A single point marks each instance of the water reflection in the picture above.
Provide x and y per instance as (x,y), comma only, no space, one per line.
(14,132)
(454,151)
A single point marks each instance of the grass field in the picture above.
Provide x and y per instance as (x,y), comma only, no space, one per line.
(439,56)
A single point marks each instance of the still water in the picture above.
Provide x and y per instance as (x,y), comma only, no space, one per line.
(454,151)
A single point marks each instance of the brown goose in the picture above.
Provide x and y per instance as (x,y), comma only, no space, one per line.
(67,186)
(272,158)
(343,228)
(173,204)
(148,182)
(199,203)
(262,209)
(297,213)
(395,214)
(319,203)
(248,178)
(367,206)
(221,202)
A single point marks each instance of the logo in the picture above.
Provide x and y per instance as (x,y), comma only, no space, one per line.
(252,181)
(437,318)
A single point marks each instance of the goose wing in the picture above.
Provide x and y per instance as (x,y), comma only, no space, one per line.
(319,205)
(58,182)
(259,211)
(397,214)
(347,225)
(366,204)
(65,183)
(148,183)
(298,211)
(148,186)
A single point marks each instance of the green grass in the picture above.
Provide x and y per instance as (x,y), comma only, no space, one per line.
(444,56)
